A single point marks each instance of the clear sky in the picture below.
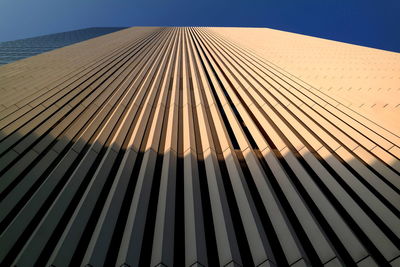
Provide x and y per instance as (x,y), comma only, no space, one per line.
(373,23)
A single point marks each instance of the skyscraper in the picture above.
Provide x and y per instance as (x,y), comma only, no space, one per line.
(16,50)
(200,147)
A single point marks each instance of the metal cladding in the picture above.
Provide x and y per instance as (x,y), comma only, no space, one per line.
(182,147)
(364,79)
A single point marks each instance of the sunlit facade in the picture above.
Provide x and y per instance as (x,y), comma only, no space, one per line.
(200,147)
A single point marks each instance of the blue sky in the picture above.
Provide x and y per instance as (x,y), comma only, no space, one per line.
(373,23)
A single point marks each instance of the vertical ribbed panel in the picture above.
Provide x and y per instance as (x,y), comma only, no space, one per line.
(177,147)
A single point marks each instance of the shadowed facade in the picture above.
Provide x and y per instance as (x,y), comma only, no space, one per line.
(183,147)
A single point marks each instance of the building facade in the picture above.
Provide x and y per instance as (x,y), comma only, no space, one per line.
(19,49)
(197,147)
